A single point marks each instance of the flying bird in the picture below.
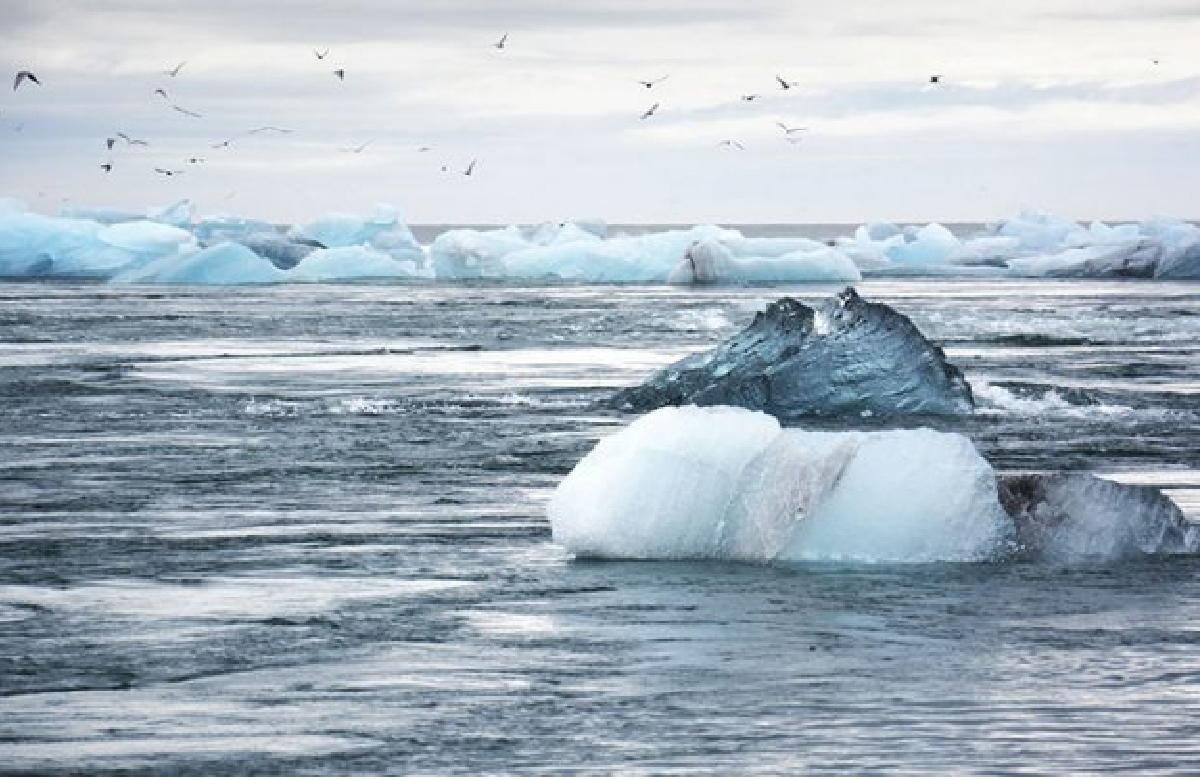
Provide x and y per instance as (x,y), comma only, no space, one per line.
(22,76)
(321,54)
(731,144)
(789,130)
(267,129)
(182,110)
(194,160)
(748,98)
(223,144)
(425,149)
(500,43)
(470,169)
(650,111)
(162,92)
(340,73)
(110,142)
(175,71)
(783,83)
(358,149)
(107,167)
(652,82)
(132,141)
(935,79)
(167,171)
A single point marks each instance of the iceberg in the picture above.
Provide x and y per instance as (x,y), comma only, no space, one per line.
(731,484)
(702,254)
(724,483)
(101,242)
(846,356)
(350,262)
(222,264)
(1073,518)
(382,231)
(36,245)
(712,261)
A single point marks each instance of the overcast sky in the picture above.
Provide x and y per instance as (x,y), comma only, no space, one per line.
(1052,105)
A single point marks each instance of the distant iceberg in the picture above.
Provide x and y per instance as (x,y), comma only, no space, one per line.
(112,244)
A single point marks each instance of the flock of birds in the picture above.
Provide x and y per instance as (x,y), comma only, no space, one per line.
(107,166)
(790,134)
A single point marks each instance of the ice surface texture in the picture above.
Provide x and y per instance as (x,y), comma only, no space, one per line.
(847,356)
(730,484)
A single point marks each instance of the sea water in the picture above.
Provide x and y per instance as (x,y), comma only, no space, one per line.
(303,529)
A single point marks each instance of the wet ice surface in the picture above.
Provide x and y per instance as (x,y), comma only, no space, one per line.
(295,530)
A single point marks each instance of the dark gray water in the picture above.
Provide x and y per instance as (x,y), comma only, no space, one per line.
(301,530)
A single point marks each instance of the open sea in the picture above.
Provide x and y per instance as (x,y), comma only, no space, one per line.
(301,529)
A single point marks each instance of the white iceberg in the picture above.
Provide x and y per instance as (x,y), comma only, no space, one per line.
(712,261)
(726,483)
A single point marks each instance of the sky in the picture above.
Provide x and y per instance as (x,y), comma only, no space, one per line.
(1088,110)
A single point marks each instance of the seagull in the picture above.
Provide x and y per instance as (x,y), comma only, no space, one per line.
(748,98)
(223,144)
(425,149)
(321,54)
(162,92)
(935,79)
(194,160)
(175,71)
(500,43)
(185,111)
(785,84)
(358,149)
(470,169)
(650,111)
(167,171)
(109,142)
(107,167)
(789,130)
(132,141)
(652,82)
(24,75)
(340,73)
(267,129)
(731,144)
